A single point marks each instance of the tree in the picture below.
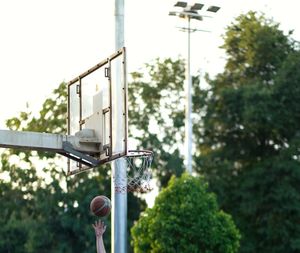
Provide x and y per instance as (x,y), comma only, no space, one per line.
(185,218)
(248,143)
(50,212)
(156,114)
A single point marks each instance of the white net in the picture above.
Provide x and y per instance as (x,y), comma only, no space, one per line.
(138,172)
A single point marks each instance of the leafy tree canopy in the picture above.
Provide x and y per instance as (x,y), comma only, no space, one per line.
(185,218)
(255,48)
(156,113)
(250,137)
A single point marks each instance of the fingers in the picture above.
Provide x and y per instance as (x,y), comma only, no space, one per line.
(99,224)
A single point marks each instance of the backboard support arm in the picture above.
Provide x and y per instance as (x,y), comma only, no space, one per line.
(65,145)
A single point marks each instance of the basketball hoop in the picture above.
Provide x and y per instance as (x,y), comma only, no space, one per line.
(138,172)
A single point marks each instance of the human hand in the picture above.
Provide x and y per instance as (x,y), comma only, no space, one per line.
(99,227)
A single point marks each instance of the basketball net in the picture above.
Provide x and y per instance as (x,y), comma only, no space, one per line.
(138,172)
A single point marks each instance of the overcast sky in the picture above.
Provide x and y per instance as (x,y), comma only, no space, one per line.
(45,42)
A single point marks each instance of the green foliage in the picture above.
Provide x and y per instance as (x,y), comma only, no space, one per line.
(51,118)
(185,218)
(250,139)
(43,210)
(156,114)
(255,48)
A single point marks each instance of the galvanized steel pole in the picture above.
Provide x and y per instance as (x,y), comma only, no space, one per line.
(119,199)
(188,106)
(190,12)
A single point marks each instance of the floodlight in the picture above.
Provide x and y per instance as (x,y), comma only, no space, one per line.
(197,7)
(213,8)
(181,4)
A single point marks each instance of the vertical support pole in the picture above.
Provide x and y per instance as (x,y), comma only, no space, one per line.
(80,110)
(80,103)
(119,199)
(188,106)
(69,122)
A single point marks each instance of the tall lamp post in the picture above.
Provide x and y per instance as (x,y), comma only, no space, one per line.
(190,12)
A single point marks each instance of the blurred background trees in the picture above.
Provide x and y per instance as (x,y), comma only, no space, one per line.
(246,131)
(249,142)
(156,113)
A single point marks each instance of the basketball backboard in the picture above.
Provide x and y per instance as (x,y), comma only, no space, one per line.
(97,110)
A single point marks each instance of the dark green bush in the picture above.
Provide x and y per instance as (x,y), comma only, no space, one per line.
(185,218)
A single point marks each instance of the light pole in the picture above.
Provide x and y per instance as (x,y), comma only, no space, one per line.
(190,12)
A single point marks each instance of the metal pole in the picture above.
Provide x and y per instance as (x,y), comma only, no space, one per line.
(188,108)
(189,12)
(119,200)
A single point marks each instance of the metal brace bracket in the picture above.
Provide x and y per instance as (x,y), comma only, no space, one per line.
(73,154)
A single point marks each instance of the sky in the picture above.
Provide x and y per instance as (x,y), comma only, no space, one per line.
(46,42)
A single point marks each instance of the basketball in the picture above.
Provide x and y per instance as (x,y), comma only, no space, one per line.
(100,206)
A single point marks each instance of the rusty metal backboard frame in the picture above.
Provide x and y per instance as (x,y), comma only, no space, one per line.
(107,152)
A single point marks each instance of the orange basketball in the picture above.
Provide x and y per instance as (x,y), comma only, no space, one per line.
(100,206)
